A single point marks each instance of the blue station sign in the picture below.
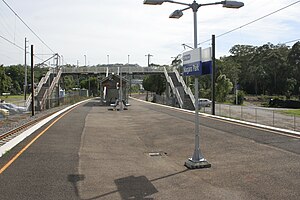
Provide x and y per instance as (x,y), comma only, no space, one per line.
(197,62)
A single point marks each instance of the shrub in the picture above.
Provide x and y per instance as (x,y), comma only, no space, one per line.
(240,97)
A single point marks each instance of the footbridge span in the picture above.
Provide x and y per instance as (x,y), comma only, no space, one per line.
(50,85)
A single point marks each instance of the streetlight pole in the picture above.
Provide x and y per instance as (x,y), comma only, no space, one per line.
(197,161)
(25,78)
(128,86)
(89,90)
(32,82)
(197,156)
(149,55)
(121,90)
(107,63)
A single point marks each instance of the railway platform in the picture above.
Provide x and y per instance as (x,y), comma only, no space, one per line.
(92,152)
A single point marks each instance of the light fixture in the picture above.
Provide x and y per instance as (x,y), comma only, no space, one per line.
(176,14)
(153,2)
(232,4)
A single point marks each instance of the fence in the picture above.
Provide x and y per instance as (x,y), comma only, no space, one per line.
(67,100)
(266,116)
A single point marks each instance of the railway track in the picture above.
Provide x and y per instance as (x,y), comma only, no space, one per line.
(4,138)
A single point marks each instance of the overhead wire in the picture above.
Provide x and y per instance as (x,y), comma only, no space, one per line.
(291,41)
(253,21)
(7,40)
(27,26)
(5,24)
(19,47)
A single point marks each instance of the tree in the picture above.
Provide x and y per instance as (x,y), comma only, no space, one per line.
(69,82)
(263,69)
(241,55)
(277,72)
(290,87)
(5,81)
(154,83)
(294,62)
(229,67)
(92,83)
(16,72)
(223,87)
(240,51)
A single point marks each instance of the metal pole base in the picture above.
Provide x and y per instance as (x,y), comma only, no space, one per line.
(191,164)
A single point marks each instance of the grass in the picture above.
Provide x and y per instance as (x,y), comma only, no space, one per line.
(12,98)
(292,112)
(15,99)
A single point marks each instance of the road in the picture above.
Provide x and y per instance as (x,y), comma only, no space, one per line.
(95,153)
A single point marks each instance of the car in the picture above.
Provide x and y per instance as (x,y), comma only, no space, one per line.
(13,109)
(3,112)
(204,103)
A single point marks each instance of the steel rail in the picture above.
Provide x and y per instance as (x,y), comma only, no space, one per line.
(14,132)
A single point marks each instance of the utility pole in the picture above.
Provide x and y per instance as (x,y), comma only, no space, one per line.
(89,85)
(25,65)
(87,76)
(121,90)
(57,70)
(149,55)
(78,74)
(129,91)
(32,83)
(213,74)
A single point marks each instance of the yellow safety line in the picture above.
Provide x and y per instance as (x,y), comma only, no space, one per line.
(31,142)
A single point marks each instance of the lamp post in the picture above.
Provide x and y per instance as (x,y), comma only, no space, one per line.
(121,90)
(128,86)
(149,55)
(107,69)
(197,160)
(89,81)
(25,66)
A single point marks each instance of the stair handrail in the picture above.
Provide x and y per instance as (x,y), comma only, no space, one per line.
(104,92)
(39,87)
(50,89)
(28,102)
(55,80)
(44,98)
(43,81)
(174,89)
(185,87)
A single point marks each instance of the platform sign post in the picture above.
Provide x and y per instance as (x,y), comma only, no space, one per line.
(192,62)
(195,63)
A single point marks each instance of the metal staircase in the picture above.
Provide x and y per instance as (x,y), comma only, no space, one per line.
(182,93)
(189,98)
(44,89)
(174,88)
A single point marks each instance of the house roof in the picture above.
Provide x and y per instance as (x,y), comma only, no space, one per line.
(113,77)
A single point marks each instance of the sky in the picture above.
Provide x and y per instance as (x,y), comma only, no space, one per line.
(118,31)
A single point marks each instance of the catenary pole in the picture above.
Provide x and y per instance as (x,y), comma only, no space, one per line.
(32,83)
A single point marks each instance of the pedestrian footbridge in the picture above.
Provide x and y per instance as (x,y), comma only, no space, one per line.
(49,86)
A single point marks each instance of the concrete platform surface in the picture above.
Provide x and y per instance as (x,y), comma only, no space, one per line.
(115,162)
(97,153)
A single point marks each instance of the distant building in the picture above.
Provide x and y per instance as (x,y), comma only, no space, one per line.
(110,89)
